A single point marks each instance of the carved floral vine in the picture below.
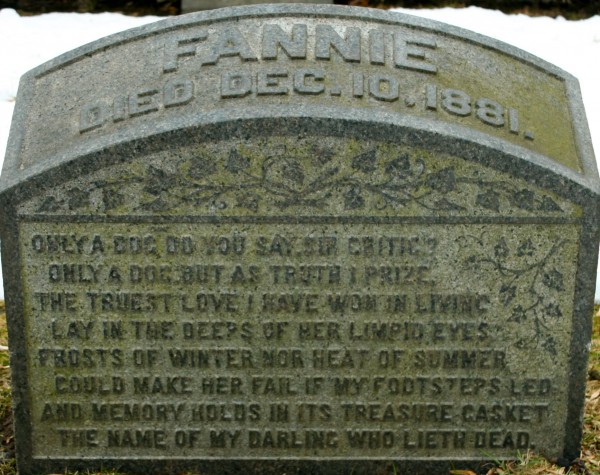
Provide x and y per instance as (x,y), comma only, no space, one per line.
(287,181)
(529,290)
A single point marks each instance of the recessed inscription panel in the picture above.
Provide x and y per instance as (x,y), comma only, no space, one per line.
(341,62)
(314,340)
(298,298)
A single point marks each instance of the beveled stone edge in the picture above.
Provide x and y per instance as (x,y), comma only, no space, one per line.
(399,124)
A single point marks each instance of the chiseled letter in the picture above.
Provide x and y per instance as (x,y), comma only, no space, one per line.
(93,116)
(414,54)
(236,84)
(348,48)
(177,46)
(274,38)
(230,42)
(178,92)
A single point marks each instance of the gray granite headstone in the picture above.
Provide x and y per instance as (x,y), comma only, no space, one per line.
(297,239)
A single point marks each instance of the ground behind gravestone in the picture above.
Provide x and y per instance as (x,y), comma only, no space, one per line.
(528,464)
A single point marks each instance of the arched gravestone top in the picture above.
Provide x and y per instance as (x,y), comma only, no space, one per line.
(547,116)
(297,238)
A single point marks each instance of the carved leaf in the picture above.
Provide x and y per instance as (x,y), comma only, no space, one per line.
(325,175)
(489,200)
(526,248)
(501,250)
(249,201)
(112,198)
(322,155)
(399,167)
(157,205)
(365,162)
(507,294)
(548,204)
(550,345)
(472,259)
(353,198)
(523,199)
(443,180)
(236,162)
(158,181)
(554,280)
(522,344)
(77,198)
(446,205)
(201,167)
(292,171)
(552,311)
(518,314)
(50,204)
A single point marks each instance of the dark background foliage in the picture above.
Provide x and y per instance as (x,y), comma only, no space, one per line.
(572,9)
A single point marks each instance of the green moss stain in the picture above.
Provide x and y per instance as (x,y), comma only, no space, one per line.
(539,98)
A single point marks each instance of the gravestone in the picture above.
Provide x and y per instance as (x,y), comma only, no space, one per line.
(297,239)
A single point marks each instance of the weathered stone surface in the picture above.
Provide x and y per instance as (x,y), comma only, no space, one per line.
(298,239)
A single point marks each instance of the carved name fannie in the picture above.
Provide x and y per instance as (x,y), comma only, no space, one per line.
(352,44)
(273,238)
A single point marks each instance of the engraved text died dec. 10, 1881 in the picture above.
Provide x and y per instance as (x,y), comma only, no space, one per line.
(281,235)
